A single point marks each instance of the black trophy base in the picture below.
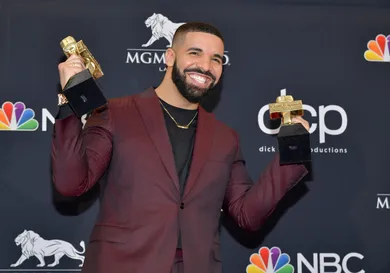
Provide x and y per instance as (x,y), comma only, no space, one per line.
(294,144)
(83,94)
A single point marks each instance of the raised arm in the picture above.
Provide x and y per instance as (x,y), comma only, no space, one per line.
(79,155)
(250,204)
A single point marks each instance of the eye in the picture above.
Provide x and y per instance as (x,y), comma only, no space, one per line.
(194,53)
(217,60)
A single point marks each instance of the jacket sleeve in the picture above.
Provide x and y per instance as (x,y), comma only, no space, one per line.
(80,155)
(250,203)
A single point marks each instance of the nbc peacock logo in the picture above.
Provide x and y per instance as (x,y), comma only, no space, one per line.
(16,117)
(378,49)
(269,261)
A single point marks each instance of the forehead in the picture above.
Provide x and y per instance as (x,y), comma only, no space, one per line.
(207,42)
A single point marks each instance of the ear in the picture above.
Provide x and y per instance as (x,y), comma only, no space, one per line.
(170,56)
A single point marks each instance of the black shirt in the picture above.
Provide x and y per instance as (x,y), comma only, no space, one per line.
(182,140)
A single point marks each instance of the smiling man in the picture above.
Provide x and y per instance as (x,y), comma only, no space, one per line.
(194,66)
(170,167)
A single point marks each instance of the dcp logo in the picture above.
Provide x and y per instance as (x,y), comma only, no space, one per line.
(321,114)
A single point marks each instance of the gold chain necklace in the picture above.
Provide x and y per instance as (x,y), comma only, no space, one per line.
(178,125)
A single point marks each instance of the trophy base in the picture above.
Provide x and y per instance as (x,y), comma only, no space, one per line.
(83,94)
(294,144)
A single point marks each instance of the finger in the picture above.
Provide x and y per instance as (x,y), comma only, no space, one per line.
(297,119)
(76,63)
(74,57)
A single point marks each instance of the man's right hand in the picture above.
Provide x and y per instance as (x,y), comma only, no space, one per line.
(73,65)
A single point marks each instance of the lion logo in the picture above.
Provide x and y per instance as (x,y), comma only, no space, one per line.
(161,27)
(32,244)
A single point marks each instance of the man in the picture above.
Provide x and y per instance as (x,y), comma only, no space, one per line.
(171,167)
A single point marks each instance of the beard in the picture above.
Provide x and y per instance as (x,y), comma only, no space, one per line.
(192,93)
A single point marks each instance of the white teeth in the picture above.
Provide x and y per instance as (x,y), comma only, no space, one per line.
(198,78)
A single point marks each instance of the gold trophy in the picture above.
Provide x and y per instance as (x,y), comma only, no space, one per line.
(81,92)
(293,138)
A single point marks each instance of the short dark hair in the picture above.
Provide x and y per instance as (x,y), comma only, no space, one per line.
(195,27)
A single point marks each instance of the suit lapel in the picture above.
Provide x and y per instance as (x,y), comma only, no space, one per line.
(203,142)
(154,121)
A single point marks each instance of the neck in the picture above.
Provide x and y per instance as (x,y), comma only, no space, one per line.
(168,92)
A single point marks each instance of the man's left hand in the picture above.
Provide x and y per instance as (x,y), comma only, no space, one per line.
(301,121)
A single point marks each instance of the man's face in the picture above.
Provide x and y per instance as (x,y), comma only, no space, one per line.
(197,66)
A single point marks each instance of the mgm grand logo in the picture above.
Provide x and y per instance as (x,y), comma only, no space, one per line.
(161,28)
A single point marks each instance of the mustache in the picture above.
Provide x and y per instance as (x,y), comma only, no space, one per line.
(200,71)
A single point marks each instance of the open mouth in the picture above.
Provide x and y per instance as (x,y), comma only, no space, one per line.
(199,79)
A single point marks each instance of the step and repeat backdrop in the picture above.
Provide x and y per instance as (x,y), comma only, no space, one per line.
(332,55)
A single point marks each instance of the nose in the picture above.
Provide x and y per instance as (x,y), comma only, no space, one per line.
(204,64)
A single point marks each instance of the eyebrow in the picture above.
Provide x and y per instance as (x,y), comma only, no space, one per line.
(200,50)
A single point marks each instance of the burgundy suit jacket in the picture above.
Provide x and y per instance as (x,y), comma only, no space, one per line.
(141,211)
